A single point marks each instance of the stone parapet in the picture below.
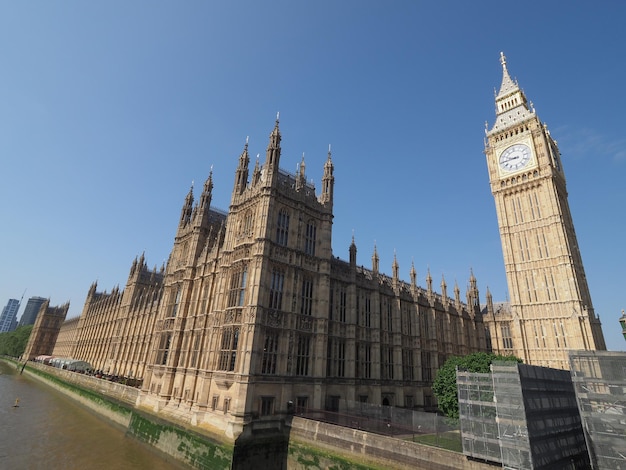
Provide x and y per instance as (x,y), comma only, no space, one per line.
(117,391)
(374,450)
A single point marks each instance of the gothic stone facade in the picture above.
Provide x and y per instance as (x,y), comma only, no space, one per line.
(550,310)
(254,317)
(114,331)
(46,330)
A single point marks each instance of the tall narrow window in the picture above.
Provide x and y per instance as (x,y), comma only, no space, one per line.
(270,353)
(554,291)
(368,311)
(407,364)
(228,350)
(331,303)
(538,206)
(556,335)
(536,335)
(527,248)
(545,280)
(282,228)
(386,362)
(196,350)
(427,375)
(407,327)
(164,348)
(306,297)
(309,239)
(363,361)
(302,355)
(205,293)
(302,404)
(267,406)
(521,248)
(343,303)
(176,303)
(336,363)
(248,223)
(519,207)
(237,287)
(507,340)
(276,290)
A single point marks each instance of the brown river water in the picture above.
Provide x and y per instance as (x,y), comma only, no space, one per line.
(50,431)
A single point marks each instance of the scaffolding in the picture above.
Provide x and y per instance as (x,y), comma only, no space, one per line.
(526,418)
(599,379)
(477,416)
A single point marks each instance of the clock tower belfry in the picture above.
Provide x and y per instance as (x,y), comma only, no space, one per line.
(550,310)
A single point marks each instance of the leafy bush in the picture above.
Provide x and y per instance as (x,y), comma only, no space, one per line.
(444,386)
(14,343)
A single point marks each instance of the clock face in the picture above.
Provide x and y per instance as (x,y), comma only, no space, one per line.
(515,157)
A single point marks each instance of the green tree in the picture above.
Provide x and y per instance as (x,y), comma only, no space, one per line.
(444,386)
(14,343)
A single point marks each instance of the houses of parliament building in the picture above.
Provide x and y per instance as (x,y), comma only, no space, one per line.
(253,314)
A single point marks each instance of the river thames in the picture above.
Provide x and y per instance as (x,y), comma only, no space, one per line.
(50,431)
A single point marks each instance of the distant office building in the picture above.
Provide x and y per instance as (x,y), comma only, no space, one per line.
(8,319)
(31,310)
(622,321)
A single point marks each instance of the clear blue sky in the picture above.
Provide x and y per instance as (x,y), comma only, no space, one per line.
(109,110)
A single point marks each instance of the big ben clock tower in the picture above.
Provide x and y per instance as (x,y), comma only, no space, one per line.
(550,309)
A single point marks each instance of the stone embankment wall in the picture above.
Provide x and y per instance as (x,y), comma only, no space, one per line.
(308,440)
(298,444)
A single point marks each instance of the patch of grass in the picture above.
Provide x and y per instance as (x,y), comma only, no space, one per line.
(449,440)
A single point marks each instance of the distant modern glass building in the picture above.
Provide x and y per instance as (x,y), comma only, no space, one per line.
(8,319)
(31,310)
